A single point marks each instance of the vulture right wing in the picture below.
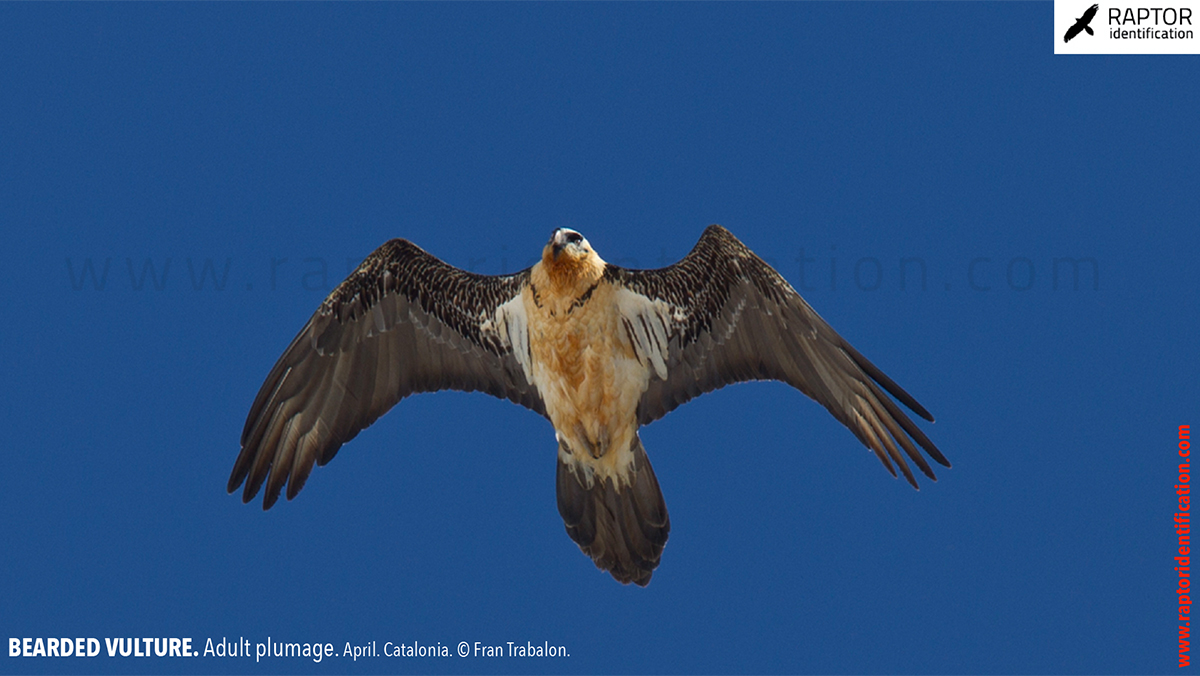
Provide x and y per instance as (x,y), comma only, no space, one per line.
(403,322)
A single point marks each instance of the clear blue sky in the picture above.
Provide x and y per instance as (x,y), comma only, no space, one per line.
(853,145)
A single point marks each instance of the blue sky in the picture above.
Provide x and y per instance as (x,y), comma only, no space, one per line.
(853,145)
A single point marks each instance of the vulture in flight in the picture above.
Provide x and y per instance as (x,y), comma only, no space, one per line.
(597,349)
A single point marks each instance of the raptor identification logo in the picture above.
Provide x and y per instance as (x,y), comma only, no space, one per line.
(1127,27)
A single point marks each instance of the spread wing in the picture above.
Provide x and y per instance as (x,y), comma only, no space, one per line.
(403,322)
(722,315)
(1090,14)
(1073,31)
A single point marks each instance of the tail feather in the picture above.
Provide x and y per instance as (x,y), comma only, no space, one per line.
(624,530)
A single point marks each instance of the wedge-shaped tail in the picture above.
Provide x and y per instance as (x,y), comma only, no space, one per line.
(623,529)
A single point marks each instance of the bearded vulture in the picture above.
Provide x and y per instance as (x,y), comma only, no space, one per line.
(597,349)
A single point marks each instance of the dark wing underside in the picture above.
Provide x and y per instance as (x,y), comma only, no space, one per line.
(733,318)
(403,322)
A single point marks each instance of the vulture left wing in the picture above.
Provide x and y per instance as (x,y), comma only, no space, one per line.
(722,315)
(403,322)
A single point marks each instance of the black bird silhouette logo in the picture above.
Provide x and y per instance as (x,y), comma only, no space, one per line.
(1081,24)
